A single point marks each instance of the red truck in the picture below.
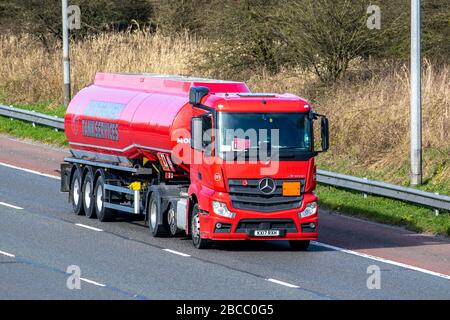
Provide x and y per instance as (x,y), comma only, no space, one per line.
(203,157)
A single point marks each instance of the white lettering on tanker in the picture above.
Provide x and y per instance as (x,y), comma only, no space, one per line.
(184,140)
(100,129)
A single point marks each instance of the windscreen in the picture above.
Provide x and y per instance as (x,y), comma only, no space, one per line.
(286,135)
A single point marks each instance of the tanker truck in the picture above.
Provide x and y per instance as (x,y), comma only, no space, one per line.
(204,158)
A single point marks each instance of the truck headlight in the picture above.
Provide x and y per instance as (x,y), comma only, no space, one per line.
(311,208)
(221,209)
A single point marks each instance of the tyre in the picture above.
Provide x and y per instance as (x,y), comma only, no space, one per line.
(299,245)
(102,213)
(197,240)
(172,221)
(76,193)
(88,195)
(154,216)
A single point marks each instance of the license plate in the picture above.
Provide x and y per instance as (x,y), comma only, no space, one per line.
(267,233)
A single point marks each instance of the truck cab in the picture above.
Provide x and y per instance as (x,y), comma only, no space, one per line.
(256,174)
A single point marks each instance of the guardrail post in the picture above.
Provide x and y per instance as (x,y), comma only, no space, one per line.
(436,211)
(365,194)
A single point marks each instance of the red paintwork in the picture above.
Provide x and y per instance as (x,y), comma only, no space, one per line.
(154,108)
(156,113)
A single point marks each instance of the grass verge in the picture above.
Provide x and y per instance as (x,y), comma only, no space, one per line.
(383,210)
(24,129)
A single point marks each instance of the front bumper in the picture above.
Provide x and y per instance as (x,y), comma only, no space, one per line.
(245,222)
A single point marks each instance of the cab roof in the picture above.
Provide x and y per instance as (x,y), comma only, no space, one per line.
(257,102)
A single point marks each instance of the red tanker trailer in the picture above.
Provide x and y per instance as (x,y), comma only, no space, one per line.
(200,156)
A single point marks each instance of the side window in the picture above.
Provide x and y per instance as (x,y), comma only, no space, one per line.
(201,132)
(207,130)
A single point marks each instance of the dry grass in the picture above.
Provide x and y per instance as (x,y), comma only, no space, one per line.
(29,72)
(369,117)
(370,120)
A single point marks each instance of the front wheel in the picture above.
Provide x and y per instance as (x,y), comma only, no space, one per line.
(299,245)
(197,240)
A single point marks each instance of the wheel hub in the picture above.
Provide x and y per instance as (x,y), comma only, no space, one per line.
(172,221)
(76,192)
(87,195)
(196,226)
(153,214)
(99,198)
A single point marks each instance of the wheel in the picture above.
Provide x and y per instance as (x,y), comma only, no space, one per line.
(88,195)
(102,213)
(299,245)
(76,193)
(197,240)
(172,221)
(153,216)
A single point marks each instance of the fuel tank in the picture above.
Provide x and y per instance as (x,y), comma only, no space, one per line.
(135,115)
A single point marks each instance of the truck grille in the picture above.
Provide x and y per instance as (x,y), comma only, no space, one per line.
(249,197)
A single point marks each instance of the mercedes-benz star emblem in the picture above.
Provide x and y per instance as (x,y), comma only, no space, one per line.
(267,185)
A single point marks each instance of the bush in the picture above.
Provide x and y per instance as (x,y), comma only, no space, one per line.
(273,35)
(42,18)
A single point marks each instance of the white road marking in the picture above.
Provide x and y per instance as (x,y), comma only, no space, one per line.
(368,256)
(88,227)
(7,254)
(93,282)
(29,171)
(406,266)
(283,283)
(176,252)
(10,206)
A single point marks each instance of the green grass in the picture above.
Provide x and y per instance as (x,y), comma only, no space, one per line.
(388,211)
(23,129)
(374,208)
(43,107)
(398,173)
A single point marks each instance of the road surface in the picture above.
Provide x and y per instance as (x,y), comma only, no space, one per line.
(40,238)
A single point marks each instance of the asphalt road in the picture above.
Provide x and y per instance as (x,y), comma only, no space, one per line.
(40,238)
